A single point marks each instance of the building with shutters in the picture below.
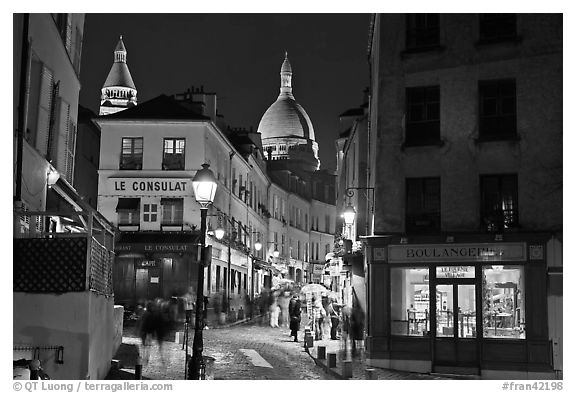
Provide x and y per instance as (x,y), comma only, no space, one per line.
(464,265)
(63,302)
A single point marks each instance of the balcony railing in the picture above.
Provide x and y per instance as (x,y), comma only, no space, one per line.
(62,252)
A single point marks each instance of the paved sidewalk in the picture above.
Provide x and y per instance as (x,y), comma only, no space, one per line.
(359,367)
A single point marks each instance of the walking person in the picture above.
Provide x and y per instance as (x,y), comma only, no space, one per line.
(334,321)
(294,309)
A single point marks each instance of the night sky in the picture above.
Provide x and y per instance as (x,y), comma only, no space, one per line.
(237,56)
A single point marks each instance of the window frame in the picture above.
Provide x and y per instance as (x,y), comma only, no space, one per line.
(133,159)
(492,126)
(495,27)
(173,203)
(499,224)
(149,214)
(423,212)
(421,35)
(172,160)
(426,130)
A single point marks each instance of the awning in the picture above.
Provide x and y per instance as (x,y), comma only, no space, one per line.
(138,242)
(128,204)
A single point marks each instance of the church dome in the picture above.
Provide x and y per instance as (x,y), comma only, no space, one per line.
(285,117)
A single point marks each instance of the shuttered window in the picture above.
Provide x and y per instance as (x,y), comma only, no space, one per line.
(172,211)
(44,111)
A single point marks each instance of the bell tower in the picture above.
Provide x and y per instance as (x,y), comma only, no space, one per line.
(119,91)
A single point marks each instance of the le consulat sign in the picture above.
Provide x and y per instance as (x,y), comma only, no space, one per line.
(176,187)
(476,252)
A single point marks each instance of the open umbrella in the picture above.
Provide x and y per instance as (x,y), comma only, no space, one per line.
(313,288)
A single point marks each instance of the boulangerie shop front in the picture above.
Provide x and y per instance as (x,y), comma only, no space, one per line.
(474,306)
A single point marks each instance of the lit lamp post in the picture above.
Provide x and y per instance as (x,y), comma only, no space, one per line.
(349,214)
(204,184)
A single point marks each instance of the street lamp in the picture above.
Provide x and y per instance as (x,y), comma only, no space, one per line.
(204,185)
(349,214)
(276,253)
(258,245)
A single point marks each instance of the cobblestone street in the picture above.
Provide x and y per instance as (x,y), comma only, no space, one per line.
(230,347)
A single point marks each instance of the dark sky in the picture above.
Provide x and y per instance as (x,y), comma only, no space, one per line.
(237,56)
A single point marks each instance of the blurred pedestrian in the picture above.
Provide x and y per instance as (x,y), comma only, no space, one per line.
(319,315)
(334,316)
(274,311)
(295,312)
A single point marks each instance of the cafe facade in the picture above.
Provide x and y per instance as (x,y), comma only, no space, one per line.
(464,304)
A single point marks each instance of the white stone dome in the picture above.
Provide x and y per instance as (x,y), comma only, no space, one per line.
(286,118)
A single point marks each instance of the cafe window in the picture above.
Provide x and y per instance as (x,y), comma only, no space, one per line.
(423,205)
(503,314)
(497,100)
(499,198)
(150,213)
(422,31)
(422,116)
(172,211)
(128,210)
(409,301)
(132,150)
(173,158)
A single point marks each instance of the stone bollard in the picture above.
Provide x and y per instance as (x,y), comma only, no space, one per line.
(347,368)
(321,352)
(138,368)
(331,360)
(308,341)
(371,373)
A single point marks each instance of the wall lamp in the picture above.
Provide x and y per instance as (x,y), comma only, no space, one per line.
(52,177)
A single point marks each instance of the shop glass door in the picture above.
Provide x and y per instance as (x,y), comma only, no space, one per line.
(455,342)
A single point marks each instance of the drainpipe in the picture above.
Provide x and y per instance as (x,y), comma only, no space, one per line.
(22,108)
(228,284)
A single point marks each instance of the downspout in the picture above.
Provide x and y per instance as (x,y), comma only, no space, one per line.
(232,153)
(22,108)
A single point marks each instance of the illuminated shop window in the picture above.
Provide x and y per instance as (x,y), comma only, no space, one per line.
(410,301)
(503,314)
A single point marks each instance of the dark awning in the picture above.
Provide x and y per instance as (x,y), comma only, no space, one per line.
(128,204)
(138,242)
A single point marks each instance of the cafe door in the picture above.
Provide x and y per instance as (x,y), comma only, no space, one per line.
(454,326)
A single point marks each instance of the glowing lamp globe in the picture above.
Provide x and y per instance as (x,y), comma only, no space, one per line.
(204,184)
(349,214)
(257,246)
(219,233)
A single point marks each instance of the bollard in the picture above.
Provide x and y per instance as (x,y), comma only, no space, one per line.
(308,341)
(347,368)
(331,360)
(371,373)
(138,368)
(34,368)
(321,352)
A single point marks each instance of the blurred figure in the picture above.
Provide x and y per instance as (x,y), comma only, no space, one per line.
(319,315)
(356,325)
(274,311)
(155,324)
(295,312)
(334,316)
(283,302)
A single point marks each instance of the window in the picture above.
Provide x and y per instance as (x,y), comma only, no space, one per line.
(496,27)
(131,157)
(422,115)
(503,302)
(172,211)
(497,100)
(499,202)
(327,224)
(128,210)
(150,213)
(422,31)
(173,158)
(423,205)
(217,278)
(283,245)
(64,25)
(409,301)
